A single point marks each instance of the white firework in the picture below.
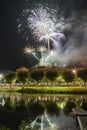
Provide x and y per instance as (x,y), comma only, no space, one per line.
(44,26)
(41,22)
(28,50)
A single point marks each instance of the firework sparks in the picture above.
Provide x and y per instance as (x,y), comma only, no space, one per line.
(41,23)
(44,27)
(42,49)
(28,50)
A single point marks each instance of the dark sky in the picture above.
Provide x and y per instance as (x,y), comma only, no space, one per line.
(12,43)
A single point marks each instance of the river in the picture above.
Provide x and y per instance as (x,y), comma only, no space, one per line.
(38,112)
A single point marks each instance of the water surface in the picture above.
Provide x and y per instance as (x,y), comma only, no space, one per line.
(41,112)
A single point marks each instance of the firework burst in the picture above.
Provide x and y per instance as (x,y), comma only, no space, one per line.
(44,26)
(31,51)
(41,22)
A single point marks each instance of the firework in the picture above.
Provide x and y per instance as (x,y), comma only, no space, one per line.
(44,26)
(42,49)
(41,22)
(28,50)
(43,58)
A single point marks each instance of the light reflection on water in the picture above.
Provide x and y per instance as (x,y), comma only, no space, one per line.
(54,111)
(61,122)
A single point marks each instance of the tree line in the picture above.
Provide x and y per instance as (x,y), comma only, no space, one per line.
(24,75)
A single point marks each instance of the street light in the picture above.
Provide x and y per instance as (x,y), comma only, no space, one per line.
(74,71)
(1,76)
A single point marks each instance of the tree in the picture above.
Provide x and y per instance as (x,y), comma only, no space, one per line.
(51,75)
(82,73)
(3,128)
(23,75)
(37,75)
(68,76)
(10,77)
(21,69)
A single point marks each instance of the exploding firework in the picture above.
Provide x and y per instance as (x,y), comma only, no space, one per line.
(43,58)
(41,23)
(44,27)
(28,50)
(41,48)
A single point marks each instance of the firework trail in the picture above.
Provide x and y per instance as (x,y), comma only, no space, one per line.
(31,51)
(28,50)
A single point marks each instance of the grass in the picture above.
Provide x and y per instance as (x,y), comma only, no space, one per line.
(46,89)
(71,90)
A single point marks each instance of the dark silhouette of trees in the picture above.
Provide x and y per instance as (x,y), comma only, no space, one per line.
(68,107)
(45,75)
(82,73)
(23,75)
(51,75)
(10,77)
(37,75)
(68,76)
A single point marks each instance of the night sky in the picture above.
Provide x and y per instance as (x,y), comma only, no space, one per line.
(12,43)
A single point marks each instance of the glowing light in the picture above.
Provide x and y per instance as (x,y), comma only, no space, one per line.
(2,103)
(74,71)
(42,49)
(41,124)
(28,50)
(1,75)
(61,105)
(43,59)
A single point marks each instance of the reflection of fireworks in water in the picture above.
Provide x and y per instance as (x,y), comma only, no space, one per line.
(47,122)
(44,122)
(44,27)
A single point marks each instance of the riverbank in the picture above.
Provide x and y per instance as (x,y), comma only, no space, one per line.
(49,90)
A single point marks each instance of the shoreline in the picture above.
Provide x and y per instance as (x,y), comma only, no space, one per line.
(45,90)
